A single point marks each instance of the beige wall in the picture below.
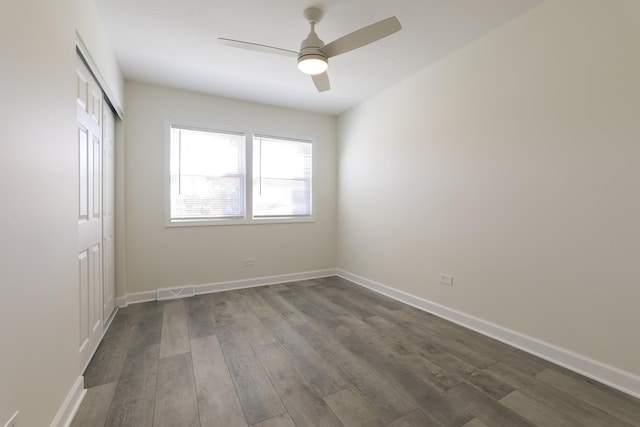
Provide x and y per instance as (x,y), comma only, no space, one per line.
(39,304)
(39,310)
(513,165)
(91,33)
(159,257)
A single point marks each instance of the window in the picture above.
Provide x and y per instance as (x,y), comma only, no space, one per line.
(281,177)
(207,175)
(220,177)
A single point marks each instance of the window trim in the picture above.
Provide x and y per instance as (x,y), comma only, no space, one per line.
(248,184)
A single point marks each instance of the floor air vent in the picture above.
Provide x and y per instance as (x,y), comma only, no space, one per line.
(175,293)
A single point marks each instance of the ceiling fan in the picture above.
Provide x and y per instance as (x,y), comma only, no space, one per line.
(313,58)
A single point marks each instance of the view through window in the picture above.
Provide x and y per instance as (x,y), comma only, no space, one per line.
(209,178)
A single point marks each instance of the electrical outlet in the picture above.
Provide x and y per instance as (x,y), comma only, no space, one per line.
(446,279)
(249,262)
(13,422)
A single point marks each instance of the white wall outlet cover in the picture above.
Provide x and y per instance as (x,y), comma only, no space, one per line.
(446,279)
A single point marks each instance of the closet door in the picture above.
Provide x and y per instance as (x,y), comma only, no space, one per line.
(90,247)
(108,219)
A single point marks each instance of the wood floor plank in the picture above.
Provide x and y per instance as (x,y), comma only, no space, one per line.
(223,308)
(391,324)
(583,413)
(308,283)
(140,361)
(486,409)
(352,409)
(258,306)
(303,405)
(123,322)
(323,377)
(151,307)
(149,328)
(626,407)
(436,342)
(200,321)
(436,407)
(134,398)
(174,338)
(95,406)
(310,294)
(176,403)
(257,396)
(130,309)
(386,400)
(107,362)
(133,402)
(309,310)
(413,419)
(281,306)
(365,295)
(492,348)
(538,413)
(482,380)
(475,423)
(231,308)
(218,402)
(251,326)
(340,299)
(402,346)
(283,420)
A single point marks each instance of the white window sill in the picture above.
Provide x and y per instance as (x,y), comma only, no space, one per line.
(255,221)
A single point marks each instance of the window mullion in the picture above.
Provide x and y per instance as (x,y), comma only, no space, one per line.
(260,166)
(248,180)
(180,161)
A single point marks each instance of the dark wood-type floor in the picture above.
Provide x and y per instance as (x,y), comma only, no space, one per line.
(325,352)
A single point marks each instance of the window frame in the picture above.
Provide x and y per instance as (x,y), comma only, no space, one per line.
(248,176)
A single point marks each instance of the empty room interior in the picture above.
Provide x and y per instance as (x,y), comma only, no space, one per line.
(438,226)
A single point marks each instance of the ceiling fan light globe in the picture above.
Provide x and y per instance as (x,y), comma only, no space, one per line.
(313,64)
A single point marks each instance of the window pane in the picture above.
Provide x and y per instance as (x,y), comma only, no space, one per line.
(207,174)
(281,177)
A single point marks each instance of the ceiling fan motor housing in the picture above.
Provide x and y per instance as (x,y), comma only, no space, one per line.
(312,44)
(310,53)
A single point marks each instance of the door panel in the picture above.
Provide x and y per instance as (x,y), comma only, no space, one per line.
(96,290)
(83,271)
(83,171)
(97,175)
(108,209)
(89,118)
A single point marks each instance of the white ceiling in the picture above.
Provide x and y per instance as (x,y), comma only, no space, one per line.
(174,43)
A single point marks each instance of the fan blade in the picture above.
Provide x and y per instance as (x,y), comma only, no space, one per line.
(321,81)
(257,47)
(362,37)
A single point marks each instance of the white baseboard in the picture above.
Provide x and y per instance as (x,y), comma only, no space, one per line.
(228,286)
(70,406)
(624,381)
